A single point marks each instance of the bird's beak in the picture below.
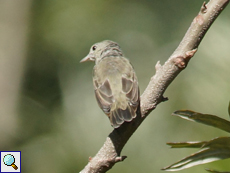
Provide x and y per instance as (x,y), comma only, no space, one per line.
(89,57)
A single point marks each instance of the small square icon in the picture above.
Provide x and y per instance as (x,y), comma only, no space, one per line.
(10,161)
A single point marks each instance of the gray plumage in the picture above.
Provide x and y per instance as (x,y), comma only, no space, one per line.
(115,82)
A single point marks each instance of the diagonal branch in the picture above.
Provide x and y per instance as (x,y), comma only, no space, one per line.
(109,154)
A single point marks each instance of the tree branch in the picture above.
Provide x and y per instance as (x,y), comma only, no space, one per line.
(109,154)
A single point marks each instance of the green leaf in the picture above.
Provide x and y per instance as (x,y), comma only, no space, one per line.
(209,170)
(193,144)
(207,119)
(215,149)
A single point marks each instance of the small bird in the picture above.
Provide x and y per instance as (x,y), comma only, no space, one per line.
(115,82)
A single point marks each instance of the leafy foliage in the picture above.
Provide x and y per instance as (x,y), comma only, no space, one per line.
(212,150)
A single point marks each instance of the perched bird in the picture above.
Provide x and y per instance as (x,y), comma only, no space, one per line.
(115,82)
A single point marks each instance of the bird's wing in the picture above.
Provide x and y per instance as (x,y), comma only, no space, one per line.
(131,89)
(103,94)
(126,111)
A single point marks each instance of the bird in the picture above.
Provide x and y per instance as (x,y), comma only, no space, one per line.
(115,82)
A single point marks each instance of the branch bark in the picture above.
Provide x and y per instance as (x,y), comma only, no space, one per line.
(109,154)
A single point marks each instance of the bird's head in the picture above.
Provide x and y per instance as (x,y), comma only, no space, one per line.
(102,49)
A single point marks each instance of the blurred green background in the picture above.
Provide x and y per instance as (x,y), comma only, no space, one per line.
(48,109)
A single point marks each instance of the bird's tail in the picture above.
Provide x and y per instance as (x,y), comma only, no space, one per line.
(118,116)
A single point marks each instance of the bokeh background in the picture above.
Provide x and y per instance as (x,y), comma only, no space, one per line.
(47,105)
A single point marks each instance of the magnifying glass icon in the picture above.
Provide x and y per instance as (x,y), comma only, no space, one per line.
(9,160)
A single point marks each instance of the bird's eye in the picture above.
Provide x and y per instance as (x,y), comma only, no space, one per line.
(94,47)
